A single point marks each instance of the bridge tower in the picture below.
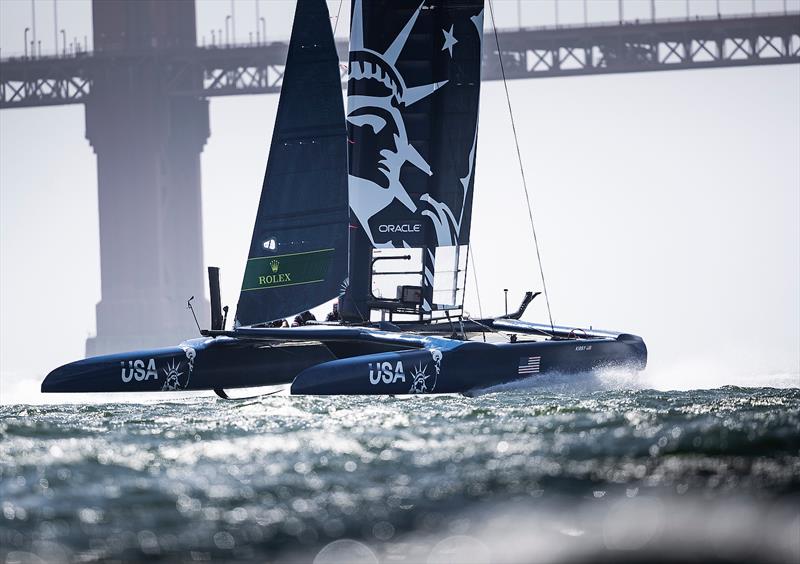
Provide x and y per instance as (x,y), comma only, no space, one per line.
(148,142)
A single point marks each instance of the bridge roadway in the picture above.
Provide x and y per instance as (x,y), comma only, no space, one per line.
(201,72)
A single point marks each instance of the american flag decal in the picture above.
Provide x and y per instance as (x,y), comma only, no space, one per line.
(529,365)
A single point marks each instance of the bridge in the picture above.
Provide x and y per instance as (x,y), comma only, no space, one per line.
(146,88)
(568,50)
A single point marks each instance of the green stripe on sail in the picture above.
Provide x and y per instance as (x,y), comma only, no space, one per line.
(264,273)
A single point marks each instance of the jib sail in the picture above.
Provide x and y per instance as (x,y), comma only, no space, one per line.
(412,117)
(298,253)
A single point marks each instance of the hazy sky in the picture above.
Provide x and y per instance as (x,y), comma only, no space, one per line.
(75,16)
(667,204)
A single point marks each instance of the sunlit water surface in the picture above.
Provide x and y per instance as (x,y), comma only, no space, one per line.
(552,470)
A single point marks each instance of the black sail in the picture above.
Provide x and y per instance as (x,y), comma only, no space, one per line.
(413,94)
(298,253)
(412,117)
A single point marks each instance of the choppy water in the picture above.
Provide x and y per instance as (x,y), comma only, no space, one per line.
(533,474)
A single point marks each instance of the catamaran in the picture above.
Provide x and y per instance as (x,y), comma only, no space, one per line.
(351,199)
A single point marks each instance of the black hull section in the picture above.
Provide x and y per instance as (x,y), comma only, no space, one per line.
(197,364)
(447,366)
(342,361)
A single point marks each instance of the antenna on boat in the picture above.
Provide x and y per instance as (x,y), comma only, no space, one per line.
(529,296)
(217,322)
(224,317)
(505,290)
(189,305)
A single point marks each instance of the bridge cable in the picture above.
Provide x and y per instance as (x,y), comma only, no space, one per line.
(521,168)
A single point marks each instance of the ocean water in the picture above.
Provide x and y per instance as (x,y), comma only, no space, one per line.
(554,470)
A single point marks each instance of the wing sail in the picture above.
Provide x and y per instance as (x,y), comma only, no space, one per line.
(298,253)
(413,94)
(412,118)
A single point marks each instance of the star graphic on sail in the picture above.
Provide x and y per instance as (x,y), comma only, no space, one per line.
(449,40)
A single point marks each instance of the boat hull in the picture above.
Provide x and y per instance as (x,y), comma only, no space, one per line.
(375,363)
(196,364)
(467,366)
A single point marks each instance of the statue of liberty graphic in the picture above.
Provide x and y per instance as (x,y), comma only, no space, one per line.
(375,114)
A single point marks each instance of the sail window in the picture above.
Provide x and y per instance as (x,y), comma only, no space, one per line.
(450,279)
(270,244)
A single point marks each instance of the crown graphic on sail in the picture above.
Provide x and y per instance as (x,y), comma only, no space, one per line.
(412,118)
(298,253)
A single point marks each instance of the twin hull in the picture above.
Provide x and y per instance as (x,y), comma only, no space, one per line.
(196,364)
(443,366)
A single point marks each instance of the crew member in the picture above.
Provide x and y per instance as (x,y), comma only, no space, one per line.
(303,318)
(334,315)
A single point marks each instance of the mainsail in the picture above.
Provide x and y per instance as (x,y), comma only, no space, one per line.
(298,253)
(412,117)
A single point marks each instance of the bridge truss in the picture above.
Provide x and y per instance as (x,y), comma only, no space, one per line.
(527,53)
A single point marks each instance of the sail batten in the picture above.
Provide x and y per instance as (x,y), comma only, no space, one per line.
(298,252)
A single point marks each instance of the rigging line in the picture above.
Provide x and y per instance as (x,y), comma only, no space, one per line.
(475,277)
(521,168)
(336,25)
(466,279)
(488,328)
